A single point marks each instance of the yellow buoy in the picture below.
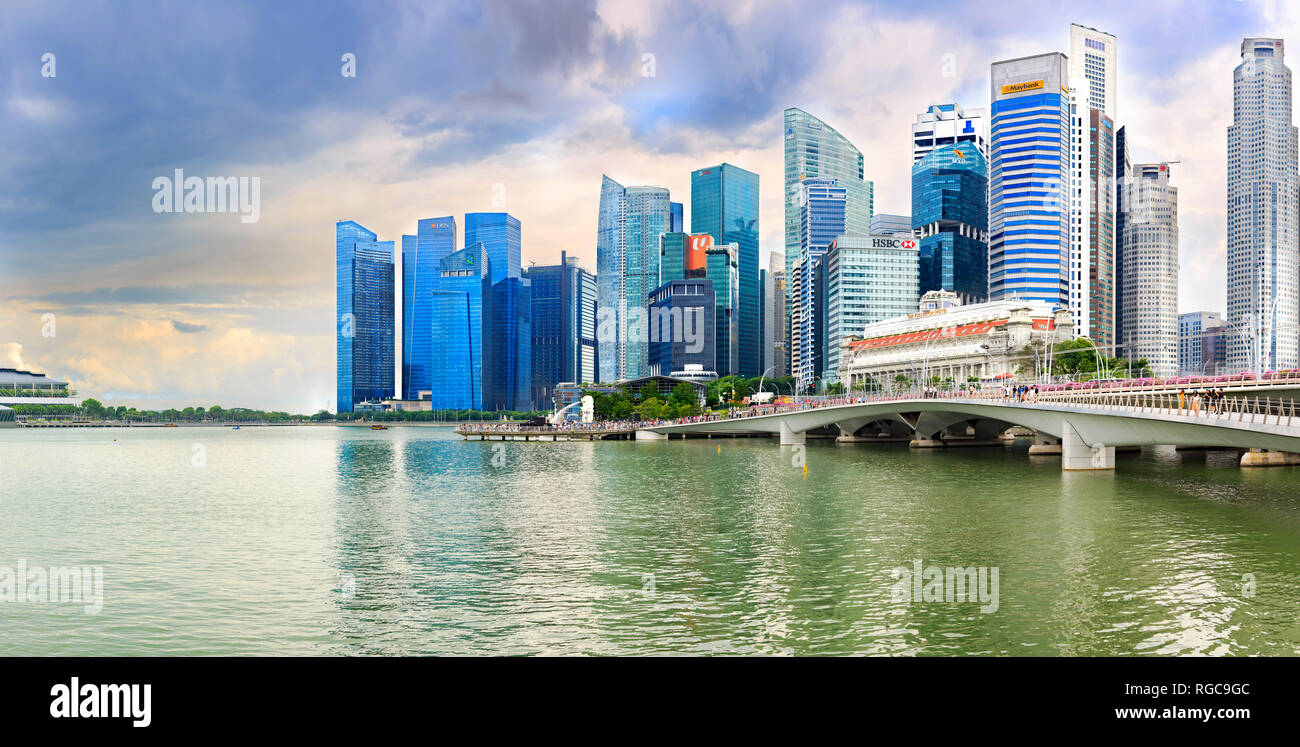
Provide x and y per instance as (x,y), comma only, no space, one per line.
(805,470)
(719,448)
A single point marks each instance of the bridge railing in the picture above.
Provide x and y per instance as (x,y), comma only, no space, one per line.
(1262,410)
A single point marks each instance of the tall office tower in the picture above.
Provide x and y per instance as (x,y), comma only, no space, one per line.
(461,313)
(627,269)
(950,215)
(814,149)
(724,204)
(1200,343)
(796,323)
(1092,86)
(780,333)
(563,327)
(509,380)
(1123,177)
(364,324)
(422,255)
(695,257)
(1149,298)
(823,216)
(765,311)
(1263,246)
(889,223)
(682,326)
(675,224)
(1029,179)
(949,124)
(868,279)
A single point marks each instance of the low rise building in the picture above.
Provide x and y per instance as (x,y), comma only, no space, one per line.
(947,341)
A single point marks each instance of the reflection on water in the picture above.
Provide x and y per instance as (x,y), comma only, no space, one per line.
(336,540)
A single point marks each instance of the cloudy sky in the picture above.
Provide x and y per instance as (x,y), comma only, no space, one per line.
(460,107)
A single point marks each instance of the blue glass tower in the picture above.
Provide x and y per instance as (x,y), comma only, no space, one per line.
(364,327)
(563,327)
(510,377)
(724,204)
(950,214)
(675,217)
(630,221)
(822,219)
(1029,180)
(422,256)
(461,306)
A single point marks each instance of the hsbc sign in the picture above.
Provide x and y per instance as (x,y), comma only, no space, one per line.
(893,243)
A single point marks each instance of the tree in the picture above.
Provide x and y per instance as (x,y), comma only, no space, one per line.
(92,407)
(683,394)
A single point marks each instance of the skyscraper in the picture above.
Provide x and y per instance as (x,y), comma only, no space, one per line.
(950,215)
(890,223)
(1149,297)
(724,204)
(509,378)
(815,149)
(627,269)
(1029,178)
(822,218)
(868,279)
(949,124)
(364,327)
(461,310)
(422,256)
(682,326)
(1263,196)
(1123,177)
(1092,87)
(693,257)
(563,327)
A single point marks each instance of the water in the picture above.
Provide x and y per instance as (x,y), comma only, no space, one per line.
(324,540)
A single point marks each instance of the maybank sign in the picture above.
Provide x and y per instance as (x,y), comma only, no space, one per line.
(1030,85)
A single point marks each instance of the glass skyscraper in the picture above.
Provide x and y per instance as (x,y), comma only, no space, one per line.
(695,256)
(868,279)
(422,255)
(724,204)
(630,222)
(563,327)
(950,215)
(822,218)
(814,149)
(509,386)
(461,308)
(682,326)
(364,329)
(1029,179)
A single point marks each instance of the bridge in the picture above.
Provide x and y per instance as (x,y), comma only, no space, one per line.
(1084,427)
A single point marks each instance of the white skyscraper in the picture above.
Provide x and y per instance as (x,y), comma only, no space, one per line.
(1093,293)
(1149,298)
(942,124)
(1263,192)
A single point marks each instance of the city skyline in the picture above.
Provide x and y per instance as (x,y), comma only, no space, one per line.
(182,309)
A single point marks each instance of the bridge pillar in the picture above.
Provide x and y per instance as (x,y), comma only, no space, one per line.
(651,436)
(1265,458)
(1078,456)
(789,437)
(1045,445)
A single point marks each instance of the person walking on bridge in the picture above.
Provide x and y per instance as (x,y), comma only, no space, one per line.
(1182,399)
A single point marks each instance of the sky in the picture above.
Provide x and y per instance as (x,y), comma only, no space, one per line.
(514,105)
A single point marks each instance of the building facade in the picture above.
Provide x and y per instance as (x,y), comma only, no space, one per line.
(954,343)
(1029,180)
(950,216)
(1123,178)
(563,327)
(364,327)
(461,324)
(949,124)
(890,223)
(868,279)
(814,149)
(697,257)
(1201,350)
(1263,197)
(822,218)
(422,256)
(682,326)
(1149,297)
(724,204)
(1093,291)
(630,222)
(510,332)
